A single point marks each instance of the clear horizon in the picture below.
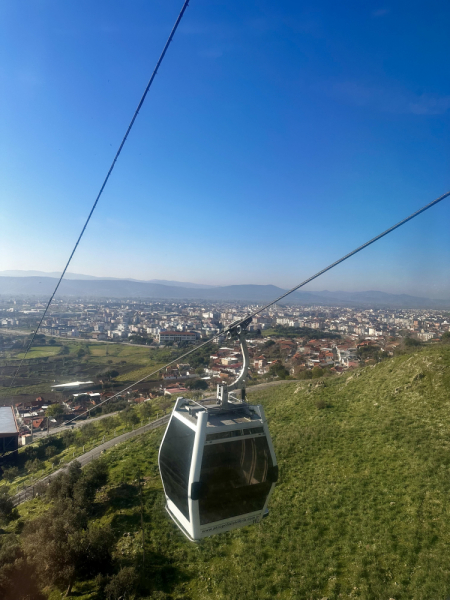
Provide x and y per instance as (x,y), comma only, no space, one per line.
(276,139)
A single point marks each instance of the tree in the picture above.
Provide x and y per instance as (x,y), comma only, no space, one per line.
(78,486)
(10,473)
(64,548)
(277,370)
(81,352)
(446,337)
(52,342)
(307,374)
(108,423)
(6,504)
(17,577)
(88,431)
(54,410)
(51,451)
(410,342)
(33,465)
(108,374)
(64,350)
(146,410)
(198,384)
(129,417)
(123,582)
(317,372)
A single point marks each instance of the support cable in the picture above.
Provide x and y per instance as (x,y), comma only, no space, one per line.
(265,307)
(113,164)
(352,253)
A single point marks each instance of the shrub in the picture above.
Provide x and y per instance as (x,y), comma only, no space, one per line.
(33,465)
(317,372)
(6,504)
(10,473)
(125,581)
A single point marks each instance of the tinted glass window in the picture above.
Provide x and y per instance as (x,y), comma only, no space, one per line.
(235,481)
(175,463)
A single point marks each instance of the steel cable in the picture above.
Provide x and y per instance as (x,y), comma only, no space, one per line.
(266,306)
(124,139)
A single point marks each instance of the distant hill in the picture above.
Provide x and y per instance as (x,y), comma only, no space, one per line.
(128,288)
(79,276)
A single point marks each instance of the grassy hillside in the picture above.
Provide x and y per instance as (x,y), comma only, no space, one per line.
(361,509)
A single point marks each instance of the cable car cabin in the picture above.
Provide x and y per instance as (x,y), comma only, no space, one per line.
(218,467)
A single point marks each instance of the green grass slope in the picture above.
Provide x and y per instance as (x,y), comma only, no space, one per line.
(361,509)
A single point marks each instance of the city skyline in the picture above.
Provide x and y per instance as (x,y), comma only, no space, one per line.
(276,139)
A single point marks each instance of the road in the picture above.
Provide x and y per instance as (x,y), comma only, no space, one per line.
(268,384)
(86,458)
(70,339)
(29,492)
(74,424)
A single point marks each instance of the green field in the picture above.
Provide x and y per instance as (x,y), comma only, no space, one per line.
(77,360)
(361,509)
(39,352)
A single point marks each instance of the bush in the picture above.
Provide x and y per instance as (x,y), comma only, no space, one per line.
(317,372)
(10,473)
(305,375)
(33,465)
(51,451)
(6,504)
(125,581)
(321,404)
(198,384)
(277,370)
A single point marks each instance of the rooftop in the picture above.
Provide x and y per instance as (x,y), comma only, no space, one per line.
(7,420)
(73,384)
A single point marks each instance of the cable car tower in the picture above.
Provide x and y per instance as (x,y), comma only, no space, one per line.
(216,459)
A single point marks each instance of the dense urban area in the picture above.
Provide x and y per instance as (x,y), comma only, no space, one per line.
(285,341)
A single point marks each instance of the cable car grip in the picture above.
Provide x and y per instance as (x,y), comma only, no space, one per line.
(239,330)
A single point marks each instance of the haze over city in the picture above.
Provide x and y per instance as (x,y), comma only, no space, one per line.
(276,138)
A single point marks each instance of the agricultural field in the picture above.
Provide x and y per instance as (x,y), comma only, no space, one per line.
(360,510)
(68,360)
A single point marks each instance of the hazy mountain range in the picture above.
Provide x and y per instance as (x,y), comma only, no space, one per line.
(43,284)
(81,277)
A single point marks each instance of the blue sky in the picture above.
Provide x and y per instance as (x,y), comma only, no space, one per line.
(277,137)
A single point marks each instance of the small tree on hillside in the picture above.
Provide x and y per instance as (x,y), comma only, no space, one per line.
(317,372)
(10,473)
(6,504)
(278,370)
(64,548)
(54,410)
(129,417)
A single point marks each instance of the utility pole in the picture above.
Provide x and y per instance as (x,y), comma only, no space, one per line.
(48,425)
(31,429)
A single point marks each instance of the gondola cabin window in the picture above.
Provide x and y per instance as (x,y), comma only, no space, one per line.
(175,463)
(235,477)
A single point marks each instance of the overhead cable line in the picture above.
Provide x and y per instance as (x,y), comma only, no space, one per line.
(341,260)
(265,307)
(113,164)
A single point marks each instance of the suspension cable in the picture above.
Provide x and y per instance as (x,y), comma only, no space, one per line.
(113,164)
(265,307)
(352,253)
